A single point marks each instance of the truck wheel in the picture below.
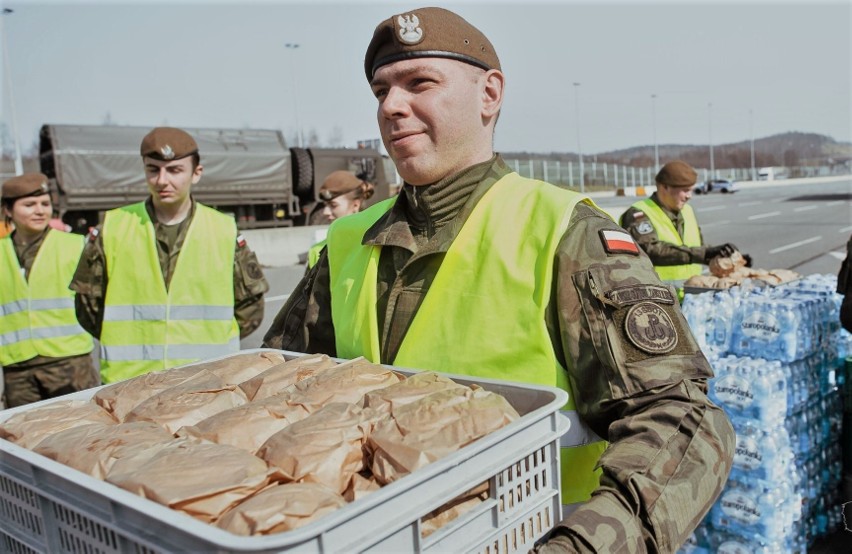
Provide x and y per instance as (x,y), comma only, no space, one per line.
(303,173)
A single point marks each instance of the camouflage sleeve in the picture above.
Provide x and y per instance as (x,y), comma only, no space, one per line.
(661,253)
(249,287)
(90,283)
(304,323)
(639,381)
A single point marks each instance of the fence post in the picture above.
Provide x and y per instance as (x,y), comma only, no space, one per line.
(544,170)
(570,174)
(532,172)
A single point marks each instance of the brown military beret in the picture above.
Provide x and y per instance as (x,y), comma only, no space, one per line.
(28,184)
(677,174)
(428,33)
(337,183)
(167,144)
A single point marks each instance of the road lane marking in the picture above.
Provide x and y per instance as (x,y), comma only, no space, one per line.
(761,216)
(835,203)
(276,298)
(845,229)
(794,245)
(725,222)
(711,208)
(805,208)
(744,204)
(839,255)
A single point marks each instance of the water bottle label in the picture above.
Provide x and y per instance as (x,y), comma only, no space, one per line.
(734,390)
(761,326)
(733,547)
(741,507)
(747,454)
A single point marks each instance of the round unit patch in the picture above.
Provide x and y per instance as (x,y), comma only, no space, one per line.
(650,328)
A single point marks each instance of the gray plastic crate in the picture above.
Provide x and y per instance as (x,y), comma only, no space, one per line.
(48,507)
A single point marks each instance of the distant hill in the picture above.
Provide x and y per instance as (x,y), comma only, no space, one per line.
(786,149)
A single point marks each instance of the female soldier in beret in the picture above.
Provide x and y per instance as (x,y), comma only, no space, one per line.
(342,194)
(44,351)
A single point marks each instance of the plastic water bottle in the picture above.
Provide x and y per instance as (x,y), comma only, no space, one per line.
(760,453)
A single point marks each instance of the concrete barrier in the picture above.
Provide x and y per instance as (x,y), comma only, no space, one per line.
(282,246)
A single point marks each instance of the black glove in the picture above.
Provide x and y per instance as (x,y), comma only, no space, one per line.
(747,259)
(723,250)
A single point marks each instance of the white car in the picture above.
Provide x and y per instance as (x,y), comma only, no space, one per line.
(717,185)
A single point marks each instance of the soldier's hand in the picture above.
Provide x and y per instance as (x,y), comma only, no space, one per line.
(723,250)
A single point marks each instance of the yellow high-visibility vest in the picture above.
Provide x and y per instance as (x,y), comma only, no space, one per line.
(314,253)
(37,315)
(493,278)
(666,232)
(149,328)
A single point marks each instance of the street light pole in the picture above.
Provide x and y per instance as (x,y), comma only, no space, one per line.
(292,47)
(751,134)
(710,138)
(654,124)
(7,73)
(579,148)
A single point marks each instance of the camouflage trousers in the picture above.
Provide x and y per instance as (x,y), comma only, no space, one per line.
(48,380)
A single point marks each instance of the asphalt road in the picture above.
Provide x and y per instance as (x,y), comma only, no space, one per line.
(798,227)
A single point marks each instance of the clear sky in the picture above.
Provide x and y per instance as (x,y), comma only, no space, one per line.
(226,64)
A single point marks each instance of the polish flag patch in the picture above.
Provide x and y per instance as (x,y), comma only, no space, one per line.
(618,242)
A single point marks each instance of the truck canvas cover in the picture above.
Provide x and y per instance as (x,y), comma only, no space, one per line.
(99,167)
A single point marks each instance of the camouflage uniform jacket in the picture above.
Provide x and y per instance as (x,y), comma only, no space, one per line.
(661,253)
(90,280)
(670,448)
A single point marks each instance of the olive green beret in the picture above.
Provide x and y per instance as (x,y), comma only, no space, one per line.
(28,184)
(677,174)
(428,33)
(337,183)
(167,144)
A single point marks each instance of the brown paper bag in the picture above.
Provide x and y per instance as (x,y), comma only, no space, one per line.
(419,433)
(277,378)
(29,427)
(248,426)
(120,398)
(188,403)
(347,382)
(407,391)
(233,370)
(280,508)
(456,507)
(326,447)
(362,484)
(202,479)
(94,448)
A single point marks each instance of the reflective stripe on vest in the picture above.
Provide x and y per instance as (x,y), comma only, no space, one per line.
(666,232)
(148,328)
(37,315)
(483,339)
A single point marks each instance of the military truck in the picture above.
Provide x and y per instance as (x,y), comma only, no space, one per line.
(250,173)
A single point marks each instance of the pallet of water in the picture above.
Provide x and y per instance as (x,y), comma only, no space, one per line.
(776,354)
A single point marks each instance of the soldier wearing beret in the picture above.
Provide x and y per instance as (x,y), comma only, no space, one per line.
(665,226)
(43,350)
(342,193)
(167,281)
(474,269)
